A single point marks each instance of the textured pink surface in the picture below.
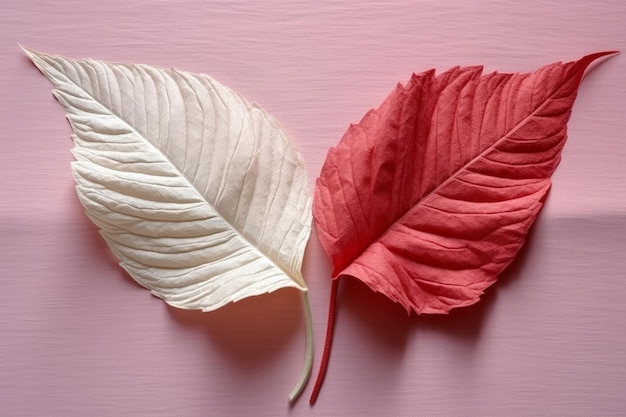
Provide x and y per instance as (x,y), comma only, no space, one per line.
(78,337)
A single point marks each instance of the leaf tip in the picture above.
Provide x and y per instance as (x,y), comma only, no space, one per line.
(579,68)
(597,55)
(35,56)
(28,51)
(588,59)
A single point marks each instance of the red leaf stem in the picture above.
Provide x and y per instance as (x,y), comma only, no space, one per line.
(321,374)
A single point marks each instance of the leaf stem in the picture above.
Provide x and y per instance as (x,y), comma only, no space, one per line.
(321,374)
(308,356)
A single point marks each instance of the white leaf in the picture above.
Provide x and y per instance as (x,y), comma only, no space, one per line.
(197,191)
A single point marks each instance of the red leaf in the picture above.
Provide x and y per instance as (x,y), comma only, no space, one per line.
(428,198)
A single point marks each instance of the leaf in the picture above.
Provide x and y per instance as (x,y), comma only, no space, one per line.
(428,198)
(198,192)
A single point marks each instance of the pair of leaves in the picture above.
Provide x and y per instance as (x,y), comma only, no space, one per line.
(205,201)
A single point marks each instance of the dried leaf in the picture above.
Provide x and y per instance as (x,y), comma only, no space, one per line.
(198,192)
(428,198)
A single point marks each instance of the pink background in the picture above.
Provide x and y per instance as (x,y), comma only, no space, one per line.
(80,338)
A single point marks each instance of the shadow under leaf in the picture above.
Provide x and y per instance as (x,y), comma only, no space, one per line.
(391,326)
(251,333)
